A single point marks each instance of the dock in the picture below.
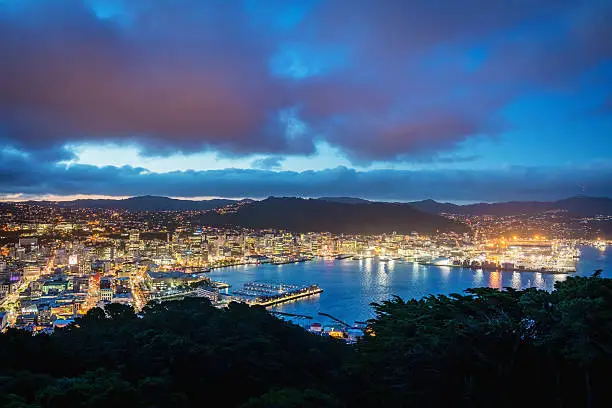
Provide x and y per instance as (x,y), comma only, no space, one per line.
(299,316)
(345,324)
(306,292)
(220,285)
(269,294)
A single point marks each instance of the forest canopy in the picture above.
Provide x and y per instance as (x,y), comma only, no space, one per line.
(482,348)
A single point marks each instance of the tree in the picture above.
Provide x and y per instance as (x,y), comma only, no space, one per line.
(460,350)
(94,314)
(293,398)
(118,311)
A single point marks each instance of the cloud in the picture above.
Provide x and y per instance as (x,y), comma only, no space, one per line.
(267,163)
(410,78)
(21,174)
(199,83)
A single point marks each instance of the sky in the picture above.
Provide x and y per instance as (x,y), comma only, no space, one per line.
(462,101)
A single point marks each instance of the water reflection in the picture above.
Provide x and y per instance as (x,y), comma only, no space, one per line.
(495,280)
(516,281)
(350,285)
(478,277)
(538,281)
(383,274)
(445,270)
(367,264)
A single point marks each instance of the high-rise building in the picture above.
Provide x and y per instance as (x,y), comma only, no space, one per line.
(134,243)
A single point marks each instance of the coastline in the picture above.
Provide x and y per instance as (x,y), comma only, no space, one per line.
(487,269)
(548,272)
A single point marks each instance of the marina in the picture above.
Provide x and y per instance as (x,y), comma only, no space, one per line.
(269,294)
(350,286)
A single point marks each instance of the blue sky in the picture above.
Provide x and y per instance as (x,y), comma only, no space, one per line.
(460,101)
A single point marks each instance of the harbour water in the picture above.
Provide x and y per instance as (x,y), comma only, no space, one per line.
(351,285)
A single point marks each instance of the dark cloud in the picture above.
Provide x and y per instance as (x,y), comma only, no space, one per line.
(379,82)
(26,175)
(182,78)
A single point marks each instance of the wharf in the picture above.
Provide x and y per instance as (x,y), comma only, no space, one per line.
(291,261)
(500,269)
(220,285)
(268,294)
(306,292)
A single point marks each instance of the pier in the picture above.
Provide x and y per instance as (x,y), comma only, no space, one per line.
(345,324)
(299,316)
(309,291)
(269,294)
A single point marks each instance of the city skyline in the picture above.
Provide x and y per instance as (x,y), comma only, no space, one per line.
(459,102)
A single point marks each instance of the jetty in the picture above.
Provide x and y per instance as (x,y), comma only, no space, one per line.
(269,294)
(345,324)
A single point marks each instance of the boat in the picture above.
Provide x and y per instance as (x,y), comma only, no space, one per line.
(442,261)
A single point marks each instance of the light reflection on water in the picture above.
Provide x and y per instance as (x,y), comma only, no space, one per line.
(351,285)
(495,280)
(516,281)
(478,277)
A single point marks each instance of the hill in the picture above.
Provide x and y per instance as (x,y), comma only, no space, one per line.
(315,215)
(141,203)
(345,200)
(583,206)
(435,207)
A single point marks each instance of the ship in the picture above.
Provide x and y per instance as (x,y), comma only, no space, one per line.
(442,261)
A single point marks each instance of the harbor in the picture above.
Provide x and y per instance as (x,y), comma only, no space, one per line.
(351,285)
(269,294)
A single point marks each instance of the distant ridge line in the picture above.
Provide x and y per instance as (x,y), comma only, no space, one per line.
(578,205)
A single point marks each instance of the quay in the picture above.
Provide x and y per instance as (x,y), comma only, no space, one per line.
(497,268)
(268,294)
(220,285)
(306,292)
(345,324)
(299,316)
(291,260)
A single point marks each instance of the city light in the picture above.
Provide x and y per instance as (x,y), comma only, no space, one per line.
(65,261)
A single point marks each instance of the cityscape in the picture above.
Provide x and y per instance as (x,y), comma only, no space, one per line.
(59,263)
(305,203)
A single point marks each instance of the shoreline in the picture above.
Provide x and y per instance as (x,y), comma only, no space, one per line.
(547,272)
(294,296)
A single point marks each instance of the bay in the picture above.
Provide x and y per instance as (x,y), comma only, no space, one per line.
(350,286)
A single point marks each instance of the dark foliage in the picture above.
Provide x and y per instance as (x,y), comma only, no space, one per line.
(180,353)
(485,348)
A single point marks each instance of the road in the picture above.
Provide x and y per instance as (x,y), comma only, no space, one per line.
(135,282)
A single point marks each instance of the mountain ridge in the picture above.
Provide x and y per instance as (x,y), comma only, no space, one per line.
(578,205)
(141,203)
(315,215)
